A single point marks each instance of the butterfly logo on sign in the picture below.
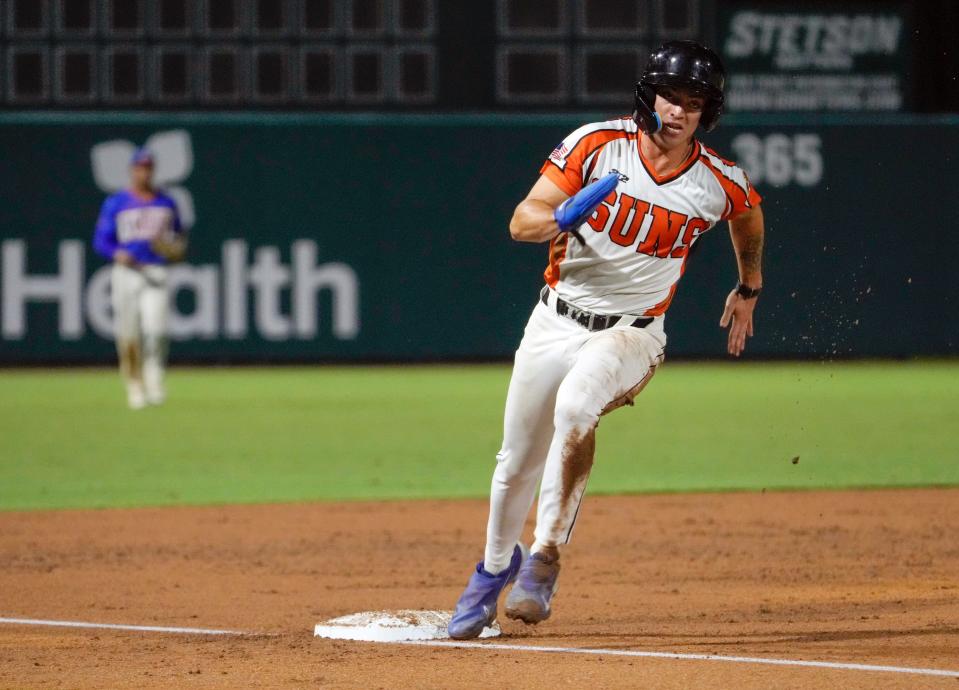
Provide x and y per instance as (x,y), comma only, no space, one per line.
(173,152)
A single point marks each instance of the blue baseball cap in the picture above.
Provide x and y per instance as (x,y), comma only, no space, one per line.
(142,156)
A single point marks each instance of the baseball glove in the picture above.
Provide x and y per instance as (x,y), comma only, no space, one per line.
(171,247)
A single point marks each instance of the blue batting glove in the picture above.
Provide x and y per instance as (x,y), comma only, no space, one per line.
(574,211)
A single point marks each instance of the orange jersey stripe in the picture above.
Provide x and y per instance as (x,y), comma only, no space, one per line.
(672,175)
(660,309)
(570,177)
(557,252)
(739,200)
(558,178)
(728,162)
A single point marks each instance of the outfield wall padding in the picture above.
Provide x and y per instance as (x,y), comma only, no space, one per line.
(384,237)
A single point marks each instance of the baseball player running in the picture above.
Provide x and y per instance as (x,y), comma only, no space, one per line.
(139,231)
(620,203)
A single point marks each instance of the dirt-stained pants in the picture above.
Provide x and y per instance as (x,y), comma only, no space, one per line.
(564,378)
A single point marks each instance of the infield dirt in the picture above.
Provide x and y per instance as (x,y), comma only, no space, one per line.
(860,577)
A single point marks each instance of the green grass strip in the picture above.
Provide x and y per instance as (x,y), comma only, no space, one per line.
(343,433)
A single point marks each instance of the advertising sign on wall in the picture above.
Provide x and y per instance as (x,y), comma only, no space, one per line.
(329,238)
(816,57)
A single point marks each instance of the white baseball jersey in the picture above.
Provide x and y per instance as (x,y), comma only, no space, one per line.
(638,239)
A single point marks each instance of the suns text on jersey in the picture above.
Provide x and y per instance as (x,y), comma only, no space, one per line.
(668,234)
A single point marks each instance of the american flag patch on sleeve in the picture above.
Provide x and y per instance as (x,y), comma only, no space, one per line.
(559,153)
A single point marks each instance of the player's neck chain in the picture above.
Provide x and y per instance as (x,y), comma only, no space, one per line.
(686,157)
(689,153)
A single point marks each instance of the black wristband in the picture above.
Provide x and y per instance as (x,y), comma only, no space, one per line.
(747,292)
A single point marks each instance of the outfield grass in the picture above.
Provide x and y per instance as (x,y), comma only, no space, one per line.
(291,434)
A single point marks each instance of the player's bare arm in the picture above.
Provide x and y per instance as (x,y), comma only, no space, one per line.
(747,232)
(533,219)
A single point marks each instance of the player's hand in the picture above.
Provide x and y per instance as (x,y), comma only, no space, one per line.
(573,212)
(124,258)
(738,316)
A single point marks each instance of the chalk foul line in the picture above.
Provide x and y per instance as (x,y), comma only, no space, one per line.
(500,646)
(678,655)
(117,626)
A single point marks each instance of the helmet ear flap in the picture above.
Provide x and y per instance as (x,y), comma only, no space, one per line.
(645,115)
(711,113)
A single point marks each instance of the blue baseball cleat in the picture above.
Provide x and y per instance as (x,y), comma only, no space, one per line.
(529,600)
(476,608)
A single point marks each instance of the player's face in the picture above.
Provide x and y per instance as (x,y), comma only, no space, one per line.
(680,110)
(141,175)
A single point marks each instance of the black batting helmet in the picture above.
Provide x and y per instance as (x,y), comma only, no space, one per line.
(689,65)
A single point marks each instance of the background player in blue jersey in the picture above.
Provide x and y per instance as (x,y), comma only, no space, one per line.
(139,231)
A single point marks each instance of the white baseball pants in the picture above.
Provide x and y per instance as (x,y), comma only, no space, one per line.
(140,313)
(564,377)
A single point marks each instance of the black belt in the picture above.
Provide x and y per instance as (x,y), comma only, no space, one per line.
(587,319)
